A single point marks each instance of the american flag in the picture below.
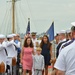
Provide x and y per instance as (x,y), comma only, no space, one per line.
(28,27)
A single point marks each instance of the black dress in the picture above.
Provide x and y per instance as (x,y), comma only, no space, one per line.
(46,53)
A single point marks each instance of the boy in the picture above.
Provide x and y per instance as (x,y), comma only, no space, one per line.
(38,62)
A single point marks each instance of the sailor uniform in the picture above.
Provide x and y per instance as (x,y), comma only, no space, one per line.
(11,54)
(67,44)
(34,43)
(38,64)
(66,59)
(58,47)
(3,55)
(63,45)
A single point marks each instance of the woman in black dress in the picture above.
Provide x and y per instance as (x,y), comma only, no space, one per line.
(46,52)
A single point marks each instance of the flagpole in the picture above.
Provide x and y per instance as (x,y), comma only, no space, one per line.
(28,19)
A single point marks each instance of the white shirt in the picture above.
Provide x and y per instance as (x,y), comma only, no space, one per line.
(66,60)
(3,56)
(34,43)
(62,45)
(11,49)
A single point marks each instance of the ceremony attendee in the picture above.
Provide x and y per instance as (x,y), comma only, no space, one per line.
(57,40)
(68,34)
(68,38)
(11,52)
(34,40)
(26,56)
(3,52)
(38,64)
(62,37)
(17,41)
(65,64)
(46,52)
(35,43)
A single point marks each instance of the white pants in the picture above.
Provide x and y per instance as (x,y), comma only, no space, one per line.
(38,72)
(9,62)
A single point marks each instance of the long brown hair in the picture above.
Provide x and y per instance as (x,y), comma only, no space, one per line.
(48,43)
(25,42)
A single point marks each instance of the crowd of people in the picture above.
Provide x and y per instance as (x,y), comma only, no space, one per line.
(36,55)
(65,57)
(10,48)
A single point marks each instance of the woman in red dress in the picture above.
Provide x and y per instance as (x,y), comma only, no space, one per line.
(26,56)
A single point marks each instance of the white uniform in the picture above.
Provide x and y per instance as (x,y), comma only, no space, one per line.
(11,49)
(63,45)
(34,43)
(3,55)
(38,64)
(66,60)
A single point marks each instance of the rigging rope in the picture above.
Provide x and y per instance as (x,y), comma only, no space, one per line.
(31,14)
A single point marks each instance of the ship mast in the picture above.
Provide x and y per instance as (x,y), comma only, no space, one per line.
(13,16)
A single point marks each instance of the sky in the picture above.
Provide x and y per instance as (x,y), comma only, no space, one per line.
(41,13)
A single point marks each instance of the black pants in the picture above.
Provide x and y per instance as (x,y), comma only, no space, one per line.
(18,64)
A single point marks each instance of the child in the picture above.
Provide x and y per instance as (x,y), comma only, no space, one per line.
(38,62)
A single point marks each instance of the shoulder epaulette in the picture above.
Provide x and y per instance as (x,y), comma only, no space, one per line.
(65,45)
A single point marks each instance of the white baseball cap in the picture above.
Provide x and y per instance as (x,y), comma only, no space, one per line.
(2,36)
(62,32)
(10,36)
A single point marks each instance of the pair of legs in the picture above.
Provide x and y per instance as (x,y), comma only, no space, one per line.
(45,71)
(24,72)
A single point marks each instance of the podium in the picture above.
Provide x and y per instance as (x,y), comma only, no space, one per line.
(2,68)
(13,66)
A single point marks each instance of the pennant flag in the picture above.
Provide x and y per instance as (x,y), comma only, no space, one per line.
(50,32)
(28,27)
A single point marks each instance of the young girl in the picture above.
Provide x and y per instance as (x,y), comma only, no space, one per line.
(46,52)
(26,56)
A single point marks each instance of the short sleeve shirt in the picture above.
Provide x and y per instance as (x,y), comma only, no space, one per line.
(66,60)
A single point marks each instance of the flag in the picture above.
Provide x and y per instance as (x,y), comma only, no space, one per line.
(50,32)
(28,27)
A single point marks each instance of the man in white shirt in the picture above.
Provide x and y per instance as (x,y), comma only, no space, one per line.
(3,52)
(68,38)
(34,40)
(62,37)
(11,52)
(65,64)
(35,43)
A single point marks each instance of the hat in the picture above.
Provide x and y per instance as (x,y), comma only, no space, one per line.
(68,31)
(2,36)
(62,32)
(10,36)
(38,49)
(33,33)
(14,35)
(73,23)
(73,28)
(56,34)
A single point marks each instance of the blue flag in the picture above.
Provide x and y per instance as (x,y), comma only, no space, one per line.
(28,27)
(50,32)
